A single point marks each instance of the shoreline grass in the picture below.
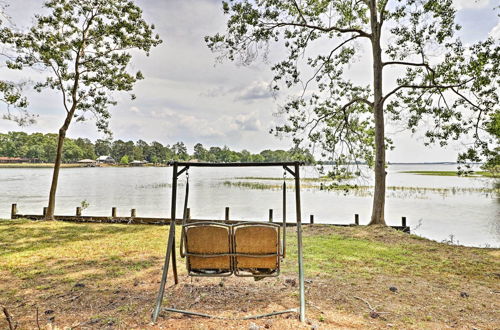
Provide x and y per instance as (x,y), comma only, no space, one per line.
(451,173)
(37,165)
(320,179)
(362,188)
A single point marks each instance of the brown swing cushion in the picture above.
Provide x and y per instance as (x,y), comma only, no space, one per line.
(256,239)
(208,240)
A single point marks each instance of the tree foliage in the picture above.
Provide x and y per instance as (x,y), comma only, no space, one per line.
(10,92)
(42,147)
(85,46)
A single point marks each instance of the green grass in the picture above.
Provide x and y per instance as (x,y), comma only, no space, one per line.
(70,252)
(450,173)
(58,251)
(360,253)
(42,261)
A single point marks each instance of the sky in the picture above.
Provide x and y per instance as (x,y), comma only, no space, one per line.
(188,96)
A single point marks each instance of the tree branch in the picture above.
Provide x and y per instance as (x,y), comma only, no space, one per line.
(395,90)
(406,63)
(300,12)
(328,58)
(320,28)
(356,100)
(382,12)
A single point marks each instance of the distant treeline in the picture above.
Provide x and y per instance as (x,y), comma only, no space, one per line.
(42,147)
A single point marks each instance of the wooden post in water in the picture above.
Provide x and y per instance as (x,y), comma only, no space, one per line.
(113,212)
(403,221)
(13,211)
(270,215)
(132,213)
(311,219)
(356,219)
(226,215)
(44,212)
(78,211)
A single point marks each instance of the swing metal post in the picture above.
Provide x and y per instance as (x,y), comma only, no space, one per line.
(170,247)
(299,244)
(284,218)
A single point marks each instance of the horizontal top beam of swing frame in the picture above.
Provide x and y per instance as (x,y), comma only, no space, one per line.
(246,164)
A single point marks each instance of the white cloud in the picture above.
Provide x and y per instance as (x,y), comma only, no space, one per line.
(495,32)
(256,90)
(248,122)
(185,97)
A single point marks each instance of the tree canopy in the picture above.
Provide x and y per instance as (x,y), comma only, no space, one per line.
(10,92)
(438,87)
(84,47)
(42,148)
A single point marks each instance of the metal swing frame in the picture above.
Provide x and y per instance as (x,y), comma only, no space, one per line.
(181,167)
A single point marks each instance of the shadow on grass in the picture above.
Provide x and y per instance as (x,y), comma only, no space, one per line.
(28,236)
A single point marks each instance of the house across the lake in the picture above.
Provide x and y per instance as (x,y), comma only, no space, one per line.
(138,163)
(16,160)
(87,163)
(105,160)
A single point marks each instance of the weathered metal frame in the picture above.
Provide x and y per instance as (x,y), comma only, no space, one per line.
(170,253)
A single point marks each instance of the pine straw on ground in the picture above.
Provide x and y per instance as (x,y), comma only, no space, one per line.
(95,276)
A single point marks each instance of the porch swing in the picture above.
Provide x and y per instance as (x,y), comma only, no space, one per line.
(220,248)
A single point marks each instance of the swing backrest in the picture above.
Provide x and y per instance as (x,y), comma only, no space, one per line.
(208,249)
(246,249)
(262,243)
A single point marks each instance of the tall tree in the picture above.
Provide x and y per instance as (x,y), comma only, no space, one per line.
(200,153)
(438,80)
(85,46)
(103,147)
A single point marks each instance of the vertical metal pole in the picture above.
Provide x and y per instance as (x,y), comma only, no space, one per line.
(270,215)
(226,215)
(170,245)
(356,219)
(299,245)
(403,221)
(311,219)
(284,218)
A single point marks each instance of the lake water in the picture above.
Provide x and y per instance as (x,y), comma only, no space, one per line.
(455,207)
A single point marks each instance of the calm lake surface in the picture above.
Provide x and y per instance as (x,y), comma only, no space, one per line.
(455,208)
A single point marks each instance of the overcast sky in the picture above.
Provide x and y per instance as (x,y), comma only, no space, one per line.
(187,96)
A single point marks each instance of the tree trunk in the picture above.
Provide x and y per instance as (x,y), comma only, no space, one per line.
(57,164)
(378,114)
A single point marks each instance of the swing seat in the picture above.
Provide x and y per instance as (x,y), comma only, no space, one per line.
(208,248)
(261,242)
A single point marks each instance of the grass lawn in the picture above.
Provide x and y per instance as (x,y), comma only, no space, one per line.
(107,276)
